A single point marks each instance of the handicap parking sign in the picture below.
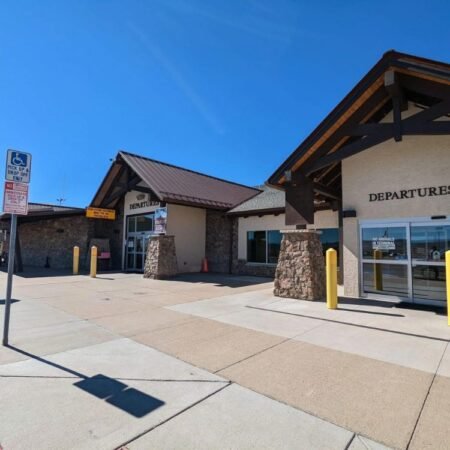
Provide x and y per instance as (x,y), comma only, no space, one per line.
(18,166)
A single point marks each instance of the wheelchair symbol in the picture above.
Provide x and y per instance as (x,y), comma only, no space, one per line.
(19,159)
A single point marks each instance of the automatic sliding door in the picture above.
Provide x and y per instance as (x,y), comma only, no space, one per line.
(385,260)
(428,246)
(131,253)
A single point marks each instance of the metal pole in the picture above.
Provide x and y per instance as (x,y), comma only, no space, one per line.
(11,256)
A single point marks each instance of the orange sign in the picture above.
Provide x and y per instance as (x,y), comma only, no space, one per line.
(101,213)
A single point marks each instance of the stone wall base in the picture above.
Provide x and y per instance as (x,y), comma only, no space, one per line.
(161,259)
(300,272)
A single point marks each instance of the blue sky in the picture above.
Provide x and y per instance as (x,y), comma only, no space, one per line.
(228,88)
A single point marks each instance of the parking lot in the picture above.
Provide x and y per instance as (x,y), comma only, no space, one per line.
(205,361)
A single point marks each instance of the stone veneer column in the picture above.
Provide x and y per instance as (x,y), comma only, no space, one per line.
(300,271)
(161,259)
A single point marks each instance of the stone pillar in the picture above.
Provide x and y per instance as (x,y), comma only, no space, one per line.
(161,259)
(300,271)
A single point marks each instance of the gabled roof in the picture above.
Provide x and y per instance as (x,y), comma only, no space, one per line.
(168,183)
(350,127)
(269,201)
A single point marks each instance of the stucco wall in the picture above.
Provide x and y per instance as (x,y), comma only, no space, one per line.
(415,162)
(188,225)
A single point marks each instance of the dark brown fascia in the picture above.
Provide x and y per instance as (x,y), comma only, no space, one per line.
(391,58)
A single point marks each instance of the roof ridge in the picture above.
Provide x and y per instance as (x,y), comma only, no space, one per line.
(186,170)
(53,205)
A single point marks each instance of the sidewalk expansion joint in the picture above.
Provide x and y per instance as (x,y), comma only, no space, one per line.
(121,446)
(403,333)
(349,443)
(99,378)
(426,398)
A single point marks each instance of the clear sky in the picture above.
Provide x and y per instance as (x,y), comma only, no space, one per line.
(228,88)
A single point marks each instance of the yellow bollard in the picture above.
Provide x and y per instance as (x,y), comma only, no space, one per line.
(377,271)
(447,277)
(76,259)
(93,261)
(331,262)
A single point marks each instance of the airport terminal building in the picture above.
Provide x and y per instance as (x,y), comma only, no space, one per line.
(382,156)
(373,178)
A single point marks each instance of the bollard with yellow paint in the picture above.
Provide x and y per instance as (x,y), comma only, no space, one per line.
(447,277)
(331,262)
(93,261)
(76,259)
(377,271)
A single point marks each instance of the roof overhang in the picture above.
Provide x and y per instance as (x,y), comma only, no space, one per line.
(353,125)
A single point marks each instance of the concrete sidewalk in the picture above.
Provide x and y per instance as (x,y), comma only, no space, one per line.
(214,362)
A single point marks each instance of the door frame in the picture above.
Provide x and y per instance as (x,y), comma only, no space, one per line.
(399,222)
(145,235)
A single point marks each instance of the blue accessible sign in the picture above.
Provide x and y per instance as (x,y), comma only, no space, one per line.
(18,166)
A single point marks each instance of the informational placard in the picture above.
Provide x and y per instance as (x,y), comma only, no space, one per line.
(18,166)
(101,213)
(161,220)
(15,198)
(383,243)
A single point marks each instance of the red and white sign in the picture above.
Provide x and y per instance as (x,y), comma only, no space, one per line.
(15,198)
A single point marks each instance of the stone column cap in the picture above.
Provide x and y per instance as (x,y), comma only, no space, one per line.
(300,231)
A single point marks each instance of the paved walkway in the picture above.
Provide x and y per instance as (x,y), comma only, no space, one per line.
(217,362)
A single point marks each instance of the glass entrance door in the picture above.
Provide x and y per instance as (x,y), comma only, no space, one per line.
(385,259)
(428,246)
(405,260)
(136,252)
(139,230)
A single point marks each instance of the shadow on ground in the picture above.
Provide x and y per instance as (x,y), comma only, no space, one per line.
(221,280)
(110,390)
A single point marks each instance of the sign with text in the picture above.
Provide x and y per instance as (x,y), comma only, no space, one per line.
(101,213)
(383,243)
(433,191)
(15,198)
(160,220)
(18,166)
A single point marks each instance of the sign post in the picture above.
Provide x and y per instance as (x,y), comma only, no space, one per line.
(15,201)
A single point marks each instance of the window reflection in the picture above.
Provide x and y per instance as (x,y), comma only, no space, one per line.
(429,243)
(386,243)
(385,278)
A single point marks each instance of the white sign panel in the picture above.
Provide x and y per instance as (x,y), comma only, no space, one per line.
(160,220)
(18,166)
(15,198)
(383,243)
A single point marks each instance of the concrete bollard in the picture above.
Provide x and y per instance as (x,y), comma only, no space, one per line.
(93,261)
(447,278)
(76,259)
(331,275)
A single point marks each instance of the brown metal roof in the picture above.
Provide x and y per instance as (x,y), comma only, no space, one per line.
(174,184)
(44,210)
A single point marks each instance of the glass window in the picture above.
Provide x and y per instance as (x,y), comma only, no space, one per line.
(273,246)
(429,243)
(429,282)
(387,243)
(144,223)
(385,278)
(329,238)
(256,246)
(131,224)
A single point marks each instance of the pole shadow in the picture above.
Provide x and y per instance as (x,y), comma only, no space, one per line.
(110,390)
